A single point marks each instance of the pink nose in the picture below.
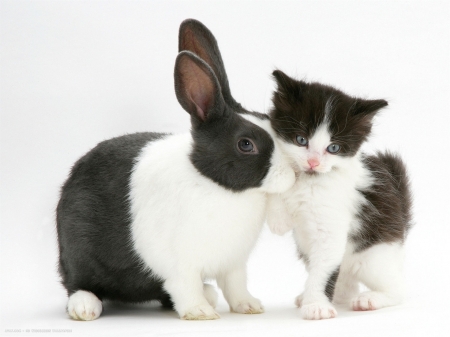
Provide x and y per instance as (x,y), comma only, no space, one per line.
(313,162)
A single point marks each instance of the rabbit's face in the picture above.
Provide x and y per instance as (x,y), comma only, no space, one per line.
(238,151)
(233,147)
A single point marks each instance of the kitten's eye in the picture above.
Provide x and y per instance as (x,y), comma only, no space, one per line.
(302,141)
(246,146)
(333,148)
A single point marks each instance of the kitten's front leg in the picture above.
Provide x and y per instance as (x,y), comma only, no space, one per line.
(323,257)
(278,218)
(234,288)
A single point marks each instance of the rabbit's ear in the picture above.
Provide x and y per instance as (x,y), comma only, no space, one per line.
(197,88)
(195,37)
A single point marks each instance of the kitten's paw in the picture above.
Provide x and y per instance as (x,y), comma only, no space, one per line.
(248,306)
(210,294)
(318,310)
(368,300)
(299,301)
(200,313)
(278,219)
(84,306)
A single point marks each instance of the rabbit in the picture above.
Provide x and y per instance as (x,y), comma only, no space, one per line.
(152,216)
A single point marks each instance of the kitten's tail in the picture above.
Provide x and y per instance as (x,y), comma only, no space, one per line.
(399,175)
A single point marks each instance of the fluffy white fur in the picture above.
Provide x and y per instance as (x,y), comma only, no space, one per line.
(321,209)
(188,229)
(380,269)
(84,306)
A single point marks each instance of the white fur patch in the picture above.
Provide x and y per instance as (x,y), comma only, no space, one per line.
(210,294)
(281,175)
(380,268)
(318,310)
(248,306)
(200,313)
(84,306)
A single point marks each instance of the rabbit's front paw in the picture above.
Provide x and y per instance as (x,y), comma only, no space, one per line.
(210,294)
(248,306)
(84,306)
(299,301)
(200,312)
(318,310)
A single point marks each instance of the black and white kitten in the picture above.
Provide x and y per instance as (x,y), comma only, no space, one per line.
(350,212)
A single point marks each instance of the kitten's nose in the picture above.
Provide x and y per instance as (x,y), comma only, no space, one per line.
(313,162)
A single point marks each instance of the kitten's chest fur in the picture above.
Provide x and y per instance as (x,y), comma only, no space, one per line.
(330,200)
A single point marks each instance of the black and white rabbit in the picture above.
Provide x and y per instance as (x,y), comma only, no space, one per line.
(151,216)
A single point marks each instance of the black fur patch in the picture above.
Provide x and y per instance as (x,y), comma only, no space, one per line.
(302,256)
(215,153)
(94,206)
(386,217)
(331,284)
(258,115)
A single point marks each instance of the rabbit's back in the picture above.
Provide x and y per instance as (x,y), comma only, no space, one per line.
(93,224)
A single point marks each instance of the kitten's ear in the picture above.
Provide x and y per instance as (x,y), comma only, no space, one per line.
(366,107)
(285,84)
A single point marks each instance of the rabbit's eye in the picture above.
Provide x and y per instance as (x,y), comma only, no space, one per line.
(246,146)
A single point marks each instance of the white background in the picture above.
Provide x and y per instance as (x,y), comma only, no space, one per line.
(74,73)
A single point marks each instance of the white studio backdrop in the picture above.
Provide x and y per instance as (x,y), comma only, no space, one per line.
(74,73)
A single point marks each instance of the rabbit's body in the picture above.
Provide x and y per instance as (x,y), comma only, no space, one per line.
(199,225)
(157,213)
(152,216)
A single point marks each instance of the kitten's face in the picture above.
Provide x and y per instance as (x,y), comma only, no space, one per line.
(316,153)
(321,126)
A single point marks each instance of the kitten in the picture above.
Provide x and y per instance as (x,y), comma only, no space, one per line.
(350,212)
